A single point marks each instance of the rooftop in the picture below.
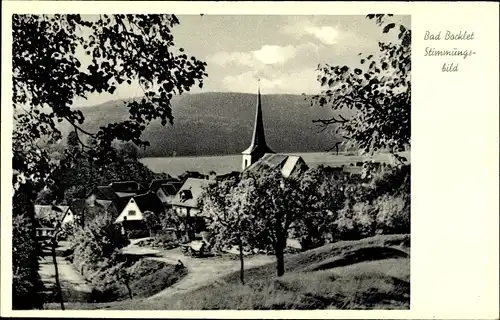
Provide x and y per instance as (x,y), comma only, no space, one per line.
(194,187)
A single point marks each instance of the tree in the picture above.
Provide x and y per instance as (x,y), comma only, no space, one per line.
(321,197)
(26,282)
(49,73)
(97,240)
(72,139)
(378,95)
(128,150)
(226,204)
(273,204)
(152,221)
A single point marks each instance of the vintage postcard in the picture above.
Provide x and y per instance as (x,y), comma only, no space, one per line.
(250,159)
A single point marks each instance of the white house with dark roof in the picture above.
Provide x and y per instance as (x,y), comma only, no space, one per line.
(51,217)
(137,205)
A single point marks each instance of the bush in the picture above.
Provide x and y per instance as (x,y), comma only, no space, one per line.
(143,277)
(393,214)
(97,243)
(356,222)
(27,286)
(166,240)
(382,206)
(137,233)
(67,231)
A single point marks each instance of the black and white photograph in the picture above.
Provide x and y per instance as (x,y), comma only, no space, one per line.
(211,162)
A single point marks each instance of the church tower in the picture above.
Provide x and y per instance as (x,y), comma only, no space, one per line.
(258,146)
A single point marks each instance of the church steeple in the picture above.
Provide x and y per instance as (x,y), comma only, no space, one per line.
(258,146)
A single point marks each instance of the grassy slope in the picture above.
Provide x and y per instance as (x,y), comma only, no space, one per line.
(372,273)
(148,278)
(379,279)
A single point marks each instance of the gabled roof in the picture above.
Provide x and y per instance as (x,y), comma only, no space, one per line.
(125,194)
(50,212)
(286,163)
(148,202)
(170,189)
(195,188)
(228,175)
(105,193)
(78,205)
(106,204)
(157,183)
(269,160)
(126,186)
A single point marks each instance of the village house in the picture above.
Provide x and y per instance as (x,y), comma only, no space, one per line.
(117,192)
(85,211)
(165,190)
(185,201)
(132,215)
(50,217)
(185,205)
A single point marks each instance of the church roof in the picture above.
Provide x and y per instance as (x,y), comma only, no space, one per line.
(258,143)
(288,165)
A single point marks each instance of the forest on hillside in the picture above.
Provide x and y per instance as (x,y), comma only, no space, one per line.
(221,124)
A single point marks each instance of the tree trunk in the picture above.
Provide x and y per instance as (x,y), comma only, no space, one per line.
(58,284)
(242,268)
(188,237)
(280,263)
(128,289)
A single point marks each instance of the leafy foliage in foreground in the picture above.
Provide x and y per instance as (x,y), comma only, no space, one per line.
(49,74)
(26,282)
(379,93)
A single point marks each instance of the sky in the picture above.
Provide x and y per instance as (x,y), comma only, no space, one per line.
(282,51)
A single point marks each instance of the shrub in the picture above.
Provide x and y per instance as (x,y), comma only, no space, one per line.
(27,286)
(356,222)
(67,231)
(97,242)
(137,233)
(26,283)
(393,214)
(143,278)
(167,240)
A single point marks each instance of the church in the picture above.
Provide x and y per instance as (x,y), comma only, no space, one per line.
(259,155)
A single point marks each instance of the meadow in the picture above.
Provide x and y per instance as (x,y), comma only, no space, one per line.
(227,163)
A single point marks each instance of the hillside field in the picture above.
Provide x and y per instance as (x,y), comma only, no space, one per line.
(216,123)
(371,273)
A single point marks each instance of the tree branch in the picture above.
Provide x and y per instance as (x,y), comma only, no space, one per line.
(79,128)
(326,122)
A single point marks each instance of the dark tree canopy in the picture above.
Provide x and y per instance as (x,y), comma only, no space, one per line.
(72,139)
(49,74)
(379,95)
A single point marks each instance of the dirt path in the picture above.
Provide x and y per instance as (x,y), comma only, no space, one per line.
(74,287)
(201,271)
